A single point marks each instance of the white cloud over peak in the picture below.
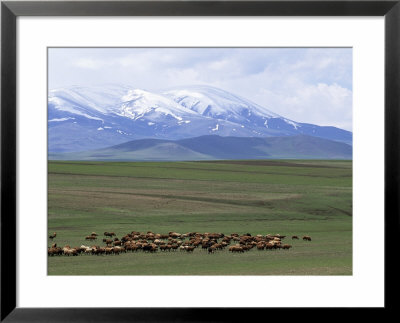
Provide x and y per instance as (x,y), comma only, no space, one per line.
(303,84)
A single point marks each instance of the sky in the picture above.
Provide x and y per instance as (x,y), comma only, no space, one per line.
(312,85)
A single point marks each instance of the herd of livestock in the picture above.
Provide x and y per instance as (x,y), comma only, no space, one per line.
(173,241)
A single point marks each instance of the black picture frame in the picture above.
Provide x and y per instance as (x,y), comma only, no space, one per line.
(10,10)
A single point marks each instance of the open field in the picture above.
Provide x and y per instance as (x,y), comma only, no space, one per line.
(297,197)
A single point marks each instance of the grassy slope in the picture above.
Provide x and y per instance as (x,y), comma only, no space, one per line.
(217,148)
(286,197)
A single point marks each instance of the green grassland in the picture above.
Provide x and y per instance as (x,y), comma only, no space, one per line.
(290,197)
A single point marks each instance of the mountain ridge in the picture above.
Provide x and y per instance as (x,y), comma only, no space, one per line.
(214,147)
(84,118)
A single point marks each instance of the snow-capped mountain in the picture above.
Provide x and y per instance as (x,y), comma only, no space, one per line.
(82,118)
(219,104)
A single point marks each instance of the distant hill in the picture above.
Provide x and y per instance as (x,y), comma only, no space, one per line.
(213,147)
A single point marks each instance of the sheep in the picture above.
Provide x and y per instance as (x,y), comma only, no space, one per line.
(238,249)
(286,246)
(147,247)
(126,238)
(135,247)
(150,247)
(116,250)
(260,246)
(226,239)
(269,246)
(215,235)
(54,251)
(307,238)
(295,237)
(98,251)
(174,234)
(89,250)
(235,249)
(108,250)
(217,246)
(150,236)
(205,245)
(70,252)
(52,236)
(107,241)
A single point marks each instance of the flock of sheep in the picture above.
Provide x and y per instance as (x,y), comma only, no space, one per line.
(187,242)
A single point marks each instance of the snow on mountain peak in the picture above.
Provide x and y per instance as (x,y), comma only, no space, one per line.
(138,103)
(211,101)
(98,98)
(92,117)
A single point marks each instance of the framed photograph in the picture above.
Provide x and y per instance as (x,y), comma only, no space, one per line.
(165,151)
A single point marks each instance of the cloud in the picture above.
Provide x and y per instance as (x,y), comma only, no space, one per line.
(303,84)
(321,104)
(89,63)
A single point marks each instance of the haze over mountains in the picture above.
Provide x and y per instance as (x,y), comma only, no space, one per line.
(213,147)
(93,118)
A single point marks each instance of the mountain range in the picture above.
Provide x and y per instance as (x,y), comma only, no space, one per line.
(213,147)
(93,118)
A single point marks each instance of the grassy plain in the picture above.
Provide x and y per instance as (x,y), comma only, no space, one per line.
(290,197)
